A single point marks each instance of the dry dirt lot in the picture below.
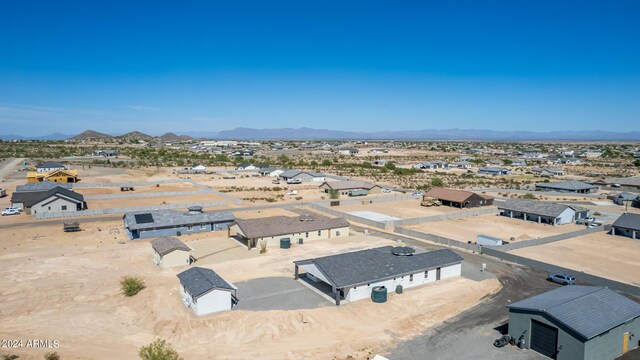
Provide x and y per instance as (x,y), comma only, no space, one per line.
(501,227)
(170,187)
(66,287)
(152,201)
(402,209)
(612,257)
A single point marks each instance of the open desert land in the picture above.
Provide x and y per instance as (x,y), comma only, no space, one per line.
(145,189)
(601,254)
(154,201)
(501,227)
(402,209)
(52,280)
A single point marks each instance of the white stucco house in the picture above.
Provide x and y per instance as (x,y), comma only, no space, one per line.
(352,276)
(169,251)
(205,292)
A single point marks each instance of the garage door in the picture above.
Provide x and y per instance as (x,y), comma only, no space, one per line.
(544,339)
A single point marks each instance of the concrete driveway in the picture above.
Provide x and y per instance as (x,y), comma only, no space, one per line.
(277,293)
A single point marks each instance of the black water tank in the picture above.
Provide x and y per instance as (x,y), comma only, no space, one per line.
(399,289)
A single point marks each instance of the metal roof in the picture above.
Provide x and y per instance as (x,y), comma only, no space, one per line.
(41,186)
(537,207)
(378,264)
(168,218)
(294,173)
(198,281)
(587,310)
(567,185)
(628,221)
(166,244)
(284,225)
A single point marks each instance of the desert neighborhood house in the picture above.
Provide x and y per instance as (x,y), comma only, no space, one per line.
(147,224)
(169,251)
(542,212)
(576,322)
(353,275)
(302,176)
(459,198)
(59,176)
(572,186)
(56,199)
(49,166)
(300,228)
(351,187)
(205,292)
(627,224)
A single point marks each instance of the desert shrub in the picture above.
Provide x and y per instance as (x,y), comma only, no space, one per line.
(51,356)
(270,200)
(158,350)
(334,194)
(298,198)
(529,196)
(436,181)
(131,285)
(596,214)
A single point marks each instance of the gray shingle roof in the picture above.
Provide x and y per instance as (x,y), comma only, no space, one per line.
(567,185)
(49,164)
(628,221)
(632,181)
(41,186)
(33,197)
(348,185)
(166,244)
(294,173)
(167,218)
(283,225)
(198,281)
(588,310)
(537,207)
(378,264)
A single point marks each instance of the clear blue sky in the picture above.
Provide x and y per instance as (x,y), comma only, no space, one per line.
(159,66)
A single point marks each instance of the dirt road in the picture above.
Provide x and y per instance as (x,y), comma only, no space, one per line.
(7,165)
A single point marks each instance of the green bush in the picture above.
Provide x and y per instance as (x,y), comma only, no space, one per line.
(51,356)
(436,181)
(158,350)
(131,285)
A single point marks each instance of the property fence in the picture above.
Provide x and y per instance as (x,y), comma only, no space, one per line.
(110,211)
(134,183)
(540,192)
(452,216)
(368,200)
(437,239)
(143,195)
(550,239)
(550,268)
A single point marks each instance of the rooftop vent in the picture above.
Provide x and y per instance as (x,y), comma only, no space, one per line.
(195,209)
(402,251)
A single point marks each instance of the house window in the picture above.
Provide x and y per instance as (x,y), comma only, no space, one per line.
(49,207)
(203,226)
(426,274)
(319,232)
(337,233)
(190,228)
(369,285)
(64,207)
(411,278)
(306,235)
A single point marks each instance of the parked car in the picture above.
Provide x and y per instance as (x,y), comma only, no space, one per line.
(10,211)
(385,190)
(294,181)
(594,224)
(562,279)
(589,219)
(276,181)
(417,195)
(293,192)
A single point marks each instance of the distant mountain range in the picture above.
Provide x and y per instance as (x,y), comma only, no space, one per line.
(325,134)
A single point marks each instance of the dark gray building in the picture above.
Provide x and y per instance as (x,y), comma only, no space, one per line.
(577,322)
(627,225)
(572,186)
(147,224)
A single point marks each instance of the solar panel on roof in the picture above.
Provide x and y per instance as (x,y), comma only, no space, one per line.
(143,218)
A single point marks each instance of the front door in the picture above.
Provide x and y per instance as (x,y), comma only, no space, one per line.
(437,274)
(625,343)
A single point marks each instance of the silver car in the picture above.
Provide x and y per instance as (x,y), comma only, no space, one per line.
(562,279)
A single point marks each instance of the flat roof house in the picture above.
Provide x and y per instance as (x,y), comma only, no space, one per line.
(301,228)
(459,198)
(147,224)
(627,224)
(353,275)
(49,166)
(302,176)
(576,322)
(542,212)
(346,187)
(169,251)
(572,186)
(205,292)
(494,171)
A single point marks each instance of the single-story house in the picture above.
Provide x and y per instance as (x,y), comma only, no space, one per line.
(169,251)
(518,162)
(494,171)
(206,292)
(348,151)
(302,176)
(59,176)
(432,165)
(571,186)
(379,151)
(462,165)
(41,186)
(148,224)
(270,172)
(56,199)
(547,172)
(106,153)
(300,228)
(459,198)
(627,224)
(49,166)
(199,168)
(542,212)
(246,166)
(569,161)
(628,182)
(576,323)
(346,187)
(624,198)
(353,275)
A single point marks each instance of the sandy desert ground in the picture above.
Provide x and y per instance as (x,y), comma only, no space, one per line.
(65,286)
(493,225)
(402,209)
(613,257)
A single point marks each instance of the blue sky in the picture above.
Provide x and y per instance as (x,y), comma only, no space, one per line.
(158,66)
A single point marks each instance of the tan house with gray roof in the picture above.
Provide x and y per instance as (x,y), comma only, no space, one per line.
(169,251)
(299,229)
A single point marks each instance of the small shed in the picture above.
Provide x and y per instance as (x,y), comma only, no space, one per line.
(486,240)
(204,291)
(169,251)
